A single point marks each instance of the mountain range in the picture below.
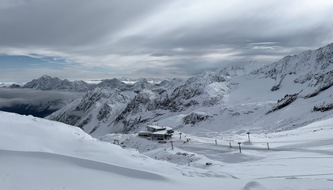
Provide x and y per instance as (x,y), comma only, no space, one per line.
(286,94)
(53,83)
(47,83)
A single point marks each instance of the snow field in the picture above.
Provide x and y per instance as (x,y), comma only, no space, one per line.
(41,154)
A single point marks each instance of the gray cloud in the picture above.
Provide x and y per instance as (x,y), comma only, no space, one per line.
(152,38)
(64,23)
(10,97)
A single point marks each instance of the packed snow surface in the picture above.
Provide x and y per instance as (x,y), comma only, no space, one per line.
(41,154)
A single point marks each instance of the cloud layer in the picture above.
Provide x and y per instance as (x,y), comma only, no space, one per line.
(11,97)
(155,38)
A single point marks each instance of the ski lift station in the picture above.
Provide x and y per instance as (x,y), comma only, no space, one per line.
(155,132)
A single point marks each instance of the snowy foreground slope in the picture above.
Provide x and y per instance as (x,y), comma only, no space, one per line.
(41,154)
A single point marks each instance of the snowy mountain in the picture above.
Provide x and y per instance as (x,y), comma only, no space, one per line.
(284,95)
(122,86)
(169,96)
(312,70)
(49,83)
(96,108)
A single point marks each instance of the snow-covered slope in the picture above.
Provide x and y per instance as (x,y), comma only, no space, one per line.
(42,154)
(95,111)
(312,71)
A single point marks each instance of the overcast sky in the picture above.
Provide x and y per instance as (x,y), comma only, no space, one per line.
(84,39)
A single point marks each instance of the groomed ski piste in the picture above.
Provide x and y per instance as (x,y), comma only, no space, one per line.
(38,154)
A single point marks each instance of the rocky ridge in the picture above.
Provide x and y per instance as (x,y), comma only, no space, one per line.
(53,83)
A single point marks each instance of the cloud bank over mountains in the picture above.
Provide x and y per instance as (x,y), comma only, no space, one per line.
(149,38)
(12,97)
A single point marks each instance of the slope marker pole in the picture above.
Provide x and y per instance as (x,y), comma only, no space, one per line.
(240,149)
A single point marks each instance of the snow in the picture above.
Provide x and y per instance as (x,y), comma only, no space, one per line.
(297,159)
(160,132)
(216,89)
(41,154)
(155,127)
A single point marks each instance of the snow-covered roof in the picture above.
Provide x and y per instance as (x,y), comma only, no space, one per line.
(160,132)
(155,127)
(168,128)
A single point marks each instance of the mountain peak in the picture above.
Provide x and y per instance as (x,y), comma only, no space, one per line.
(45,77)
(46,82)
